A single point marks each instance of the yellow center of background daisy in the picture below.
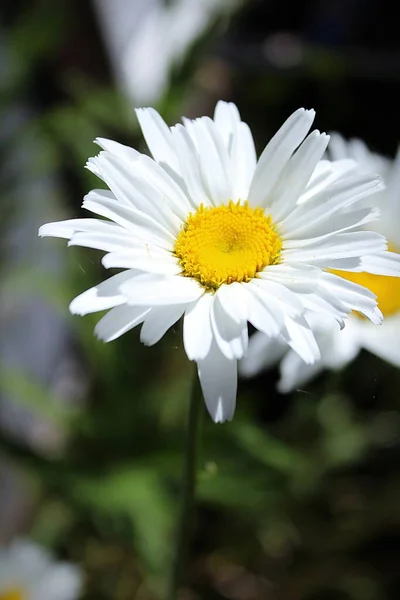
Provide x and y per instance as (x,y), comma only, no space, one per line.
(12,594)
(227,243)
(387,289)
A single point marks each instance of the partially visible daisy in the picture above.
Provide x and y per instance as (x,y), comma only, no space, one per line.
(337,347)
(28,572)
(204,231)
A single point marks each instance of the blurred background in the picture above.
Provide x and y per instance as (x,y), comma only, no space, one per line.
(298,497)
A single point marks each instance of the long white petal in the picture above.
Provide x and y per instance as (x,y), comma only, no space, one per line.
(386,263)
(230,336)
(279,294)
(190,166)
(343,245)
(243,162)
(264,315)
(158,137)
(233,299)
(353,296)
(296,174)
(300,338)
(276,155)
(119,320)
(197,332)
(125,152)
(226,118)
(156,290)
(321,208)
(144,192)
(343,223)
(158,321)
(218,380)
(121,240)
(325,174)
(142,260)
(143,227)
(102,296)
(66,229)
(212,162)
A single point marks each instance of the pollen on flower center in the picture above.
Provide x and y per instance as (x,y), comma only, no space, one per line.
(12,594)
(227,243)
(387,289)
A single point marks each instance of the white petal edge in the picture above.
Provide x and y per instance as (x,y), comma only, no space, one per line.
(197,332)
(119,320)
(218,380)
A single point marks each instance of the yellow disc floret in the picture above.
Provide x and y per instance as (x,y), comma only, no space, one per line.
(387,289)
(227,243)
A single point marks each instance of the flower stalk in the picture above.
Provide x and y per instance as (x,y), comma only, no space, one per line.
(185,521)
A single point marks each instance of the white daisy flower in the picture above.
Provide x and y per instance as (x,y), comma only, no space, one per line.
(28,572)
(207,232)
(337,347)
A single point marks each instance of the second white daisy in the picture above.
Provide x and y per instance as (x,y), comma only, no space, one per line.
(338,348)
(206,232)
(28,572)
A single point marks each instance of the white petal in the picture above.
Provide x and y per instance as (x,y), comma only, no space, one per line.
(119,320)
(276,155)
(190,166)
(226,118)
(156,290)
(353,296)
(120,240)
(243,162)
(296,174)
(278,294)
(125,152)
(230,336)
(301,339)
(386,263)
(158,137)
(345,222)
(342,245)
(295,372)
(197,332)
(144,229)
(233,299)
(102,296)
(320,209)
(218,380)
(264,315)
(263,353)
(158,321)
(66,229)
(166,183)
(326,174)
(212,162)
(297,277)
(142,260)
(384,341)
(143,193)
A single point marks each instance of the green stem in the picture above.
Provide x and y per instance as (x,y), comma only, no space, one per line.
(187,492)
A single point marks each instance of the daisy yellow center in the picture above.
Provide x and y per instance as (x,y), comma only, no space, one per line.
(227,243)
(387,289)
(12,594)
